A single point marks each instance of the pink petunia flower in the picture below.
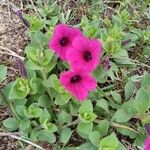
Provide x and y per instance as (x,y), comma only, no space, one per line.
(147,143)
(78,83)
(62,39)
(84,53)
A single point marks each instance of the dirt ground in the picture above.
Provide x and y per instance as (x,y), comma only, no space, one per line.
(12,38)
(12,41)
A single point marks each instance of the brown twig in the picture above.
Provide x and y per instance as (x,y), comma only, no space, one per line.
(35,9)
(15,136)
(10,52)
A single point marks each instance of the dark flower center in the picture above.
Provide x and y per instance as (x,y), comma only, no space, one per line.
(87,56)
(75,79)
(64,41)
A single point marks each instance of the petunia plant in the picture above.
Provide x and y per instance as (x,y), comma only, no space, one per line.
(75,85)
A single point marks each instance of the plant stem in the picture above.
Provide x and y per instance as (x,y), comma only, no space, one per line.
(117,125)
(103,93)
(45,78)
(72,123)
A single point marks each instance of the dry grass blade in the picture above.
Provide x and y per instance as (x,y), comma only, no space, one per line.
(15,136)
(10,52)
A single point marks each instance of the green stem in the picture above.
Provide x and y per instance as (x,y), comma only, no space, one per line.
(44,75)
(72,123)
(103,93)
(117,125)
(45,78)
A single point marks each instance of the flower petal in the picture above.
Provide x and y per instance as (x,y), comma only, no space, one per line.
(74,32)
(61,30)
(80,92)
(80,43)
(147,143)
(89,83)
(95,47)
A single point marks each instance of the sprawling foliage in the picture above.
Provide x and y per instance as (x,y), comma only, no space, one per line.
(42,110)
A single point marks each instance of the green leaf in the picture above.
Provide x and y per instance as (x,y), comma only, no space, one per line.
(16,94)
(39,40)
(85,146)
(73,108)
(129,107)
(65,135)
(33,86)
(51,64)
(45,116)
(102,127)
(127,132)
(11,124)
(3,72)
(116,96)
(87,117)
(46,136)
(34,134)
(62,99)
(86,106)
(139,140)
(39,58)
(85,128)
(121,146)
(6,90)
(103,104)
(18,102)
(36,24)
(109,142)
(50,127)
(125,112)
(100,74)
(44,101)
(64,117)
(129,88)
(32,66)
(34,111)
(24,124)
(52,81)
(20,110)
(40,88)
(31,73)
(142,101)
(90,31)
(20,89)
(54,21)
(139,32)
(146,81)
(94,138)
(122,116)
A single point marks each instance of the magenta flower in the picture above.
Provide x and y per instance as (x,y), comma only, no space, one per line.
(78,83)
(147,144)
(62,39)
(84,53)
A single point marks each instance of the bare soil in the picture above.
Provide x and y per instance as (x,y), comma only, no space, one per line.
(12,38)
